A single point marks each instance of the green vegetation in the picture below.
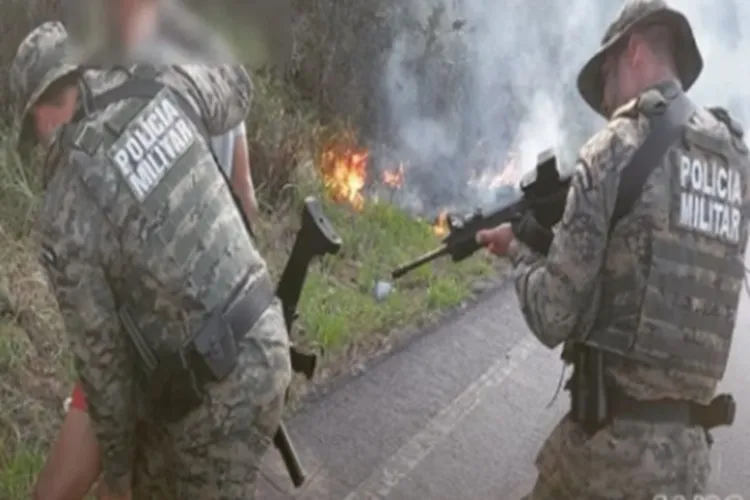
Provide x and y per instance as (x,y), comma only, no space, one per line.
(339,305)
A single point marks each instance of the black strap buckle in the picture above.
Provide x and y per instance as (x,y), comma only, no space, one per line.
(720,411)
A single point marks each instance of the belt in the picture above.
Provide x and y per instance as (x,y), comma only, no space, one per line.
(720,411)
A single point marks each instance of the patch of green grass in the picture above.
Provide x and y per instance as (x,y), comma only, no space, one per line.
(19,186)
(339,306)
(12,348)
(19,466)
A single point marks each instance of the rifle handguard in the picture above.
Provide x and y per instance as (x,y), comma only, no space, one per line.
(543,195)
(530,232)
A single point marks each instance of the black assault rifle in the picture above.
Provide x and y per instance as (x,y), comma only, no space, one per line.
(316,237)
(543,191)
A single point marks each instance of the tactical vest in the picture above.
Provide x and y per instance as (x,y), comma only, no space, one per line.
(185,239)
(695,267)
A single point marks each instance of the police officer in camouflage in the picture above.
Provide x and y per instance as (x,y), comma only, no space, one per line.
(645,300)
(178,340)
(49,91)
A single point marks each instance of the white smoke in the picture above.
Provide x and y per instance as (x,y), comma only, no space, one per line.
(503,74)
(723,35)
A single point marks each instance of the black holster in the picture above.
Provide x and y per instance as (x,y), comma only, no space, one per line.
(175,389)
(589,400)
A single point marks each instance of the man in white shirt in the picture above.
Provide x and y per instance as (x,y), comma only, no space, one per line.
(231,152)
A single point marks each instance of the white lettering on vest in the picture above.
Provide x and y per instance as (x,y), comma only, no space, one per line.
(152,144)
(710,199)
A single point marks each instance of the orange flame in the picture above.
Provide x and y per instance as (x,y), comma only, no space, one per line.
(511,173)
(344,171)
(394,178)
(343,167)
(440,227)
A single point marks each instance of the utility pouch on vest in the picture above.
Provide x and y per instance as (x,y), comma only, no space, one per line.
(213,350)
(588,391)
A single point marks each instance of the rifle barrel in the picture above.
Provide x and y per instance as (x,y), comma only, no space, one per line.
(420,261)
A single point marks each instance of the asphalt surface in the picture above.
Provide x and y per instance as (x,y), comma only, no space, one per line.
(460,414)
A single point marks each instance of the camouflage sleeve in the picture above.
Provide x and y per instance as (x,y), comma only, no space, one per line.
(559,294)
(75,237)
(223,93)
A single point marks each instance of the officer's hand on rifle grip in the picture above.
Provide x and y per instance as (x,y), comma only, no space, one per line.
(497,240)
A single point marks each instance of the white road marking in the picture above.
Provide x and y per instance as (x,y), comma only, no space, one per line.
(384,479)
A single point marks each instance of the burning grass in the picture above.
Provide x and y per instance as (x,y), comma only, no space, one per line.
(339,313)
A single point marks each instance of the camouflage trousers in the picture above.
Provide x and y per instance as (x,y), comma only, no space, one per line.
(214,453)
(624,461)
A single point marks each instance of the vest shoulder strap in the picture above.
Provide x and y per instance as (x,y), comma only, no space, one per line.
(666,128)
(145,88)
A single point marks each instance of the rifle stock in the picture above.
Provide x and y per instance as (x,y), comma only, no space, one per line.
(316,238)
(544,188)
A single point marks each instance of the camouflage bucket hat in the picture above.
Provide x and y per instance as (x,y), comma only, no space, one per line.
(637,13)
(41,60)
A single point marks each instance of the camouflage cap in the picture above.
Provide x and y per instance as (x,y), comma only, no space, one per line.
(637,13)
(40,61)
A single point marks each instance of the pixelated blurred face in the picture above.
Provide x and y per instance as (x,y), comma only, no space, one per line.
(49,114)
(622,73)
(612,72)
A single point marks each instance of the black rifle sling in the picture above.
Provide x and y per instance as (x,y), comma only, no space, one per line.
(666,128)
(147,88)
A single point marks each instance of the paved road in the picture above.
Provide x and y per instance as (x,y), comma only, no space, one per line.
(459,415)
